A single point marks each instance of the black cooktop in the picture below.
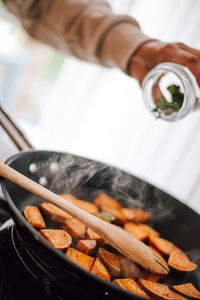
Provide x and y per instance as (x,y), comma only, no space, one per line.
(19,279)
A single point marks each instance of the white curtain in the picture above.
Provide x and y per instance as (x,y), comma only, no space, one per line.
(99,113)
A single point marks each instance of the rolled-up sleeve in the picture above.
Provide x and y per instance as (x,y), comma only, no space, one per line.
(86,29)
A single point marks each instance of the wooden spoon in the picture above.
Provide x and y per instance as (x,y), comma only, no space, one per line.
(121,240)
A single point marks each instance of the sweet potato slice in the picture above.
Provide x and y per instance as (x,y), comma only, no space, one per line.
(130,285)
(187,290)
(111,206)
(86,246)
(100,270)
(136,230)
(129,213)
(176,296)
(110,260)
(83,260)
(54,213)
(141,216)
(149,229)
(179,261)
(68,197)
(91,235)
(129,269)
(120,218)
(103,199)
(164,246)
(58,238)
(85,205)
(34,217)
(141,231)
(158,290)
(75,228)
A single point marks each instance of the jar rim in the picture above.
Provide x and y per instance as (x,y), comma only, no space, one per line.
(186,78)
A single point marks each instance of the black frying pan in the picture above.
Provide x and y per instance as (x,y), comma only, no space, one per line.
(85,178)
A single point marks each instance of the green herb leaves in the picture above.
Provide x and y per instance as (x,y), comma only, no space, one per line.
(163,106)
(106,216)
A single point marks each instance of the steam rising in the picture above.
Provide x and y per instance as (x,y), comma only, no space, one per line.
(85,179)
(194,254)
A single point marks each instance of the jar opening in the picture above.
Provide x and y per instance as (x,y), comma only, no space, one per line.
(169,91)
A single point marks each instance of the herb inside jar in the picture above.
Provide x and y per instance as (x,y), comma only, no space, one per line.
(163,106)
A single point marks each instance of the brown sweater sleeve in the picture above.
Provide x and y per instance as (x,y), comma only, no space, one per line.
(85,28)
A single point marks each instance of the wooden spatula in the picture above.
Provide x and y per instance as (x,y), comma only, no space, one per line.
(121,240)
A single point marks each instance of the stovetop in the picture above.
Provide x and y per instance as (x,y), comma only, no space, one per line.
(15,282)
(17,279)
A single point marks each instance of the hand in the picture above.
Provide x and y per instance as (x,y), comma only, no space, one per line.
(153,53)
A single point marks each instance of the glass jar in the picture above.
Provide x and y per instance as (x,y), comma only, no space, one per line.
(170,91)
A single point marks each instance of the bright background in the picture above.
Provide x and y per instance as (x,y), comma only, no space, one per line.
(65,104)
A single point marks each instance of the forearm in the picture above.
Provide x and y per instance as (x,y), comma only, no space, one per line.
(85,28)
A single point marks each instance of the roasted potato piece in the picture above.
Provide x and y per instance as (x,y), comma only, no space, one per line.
(179,261)
(34,217)
(187,290)
(176,296)
(111,206)
(120,218)
(54,213)
(85,205)
(129,269)
(149,229)
(141,216)
(164,246)
(137,215)
(68,197)
(86,246)
(83,260)
(91,235)
(103,199)
(58,238)
(110,260)
(75,228)
(158,290)
(136,230)
(130,285)
(129,214)
(140,231)
(100,270)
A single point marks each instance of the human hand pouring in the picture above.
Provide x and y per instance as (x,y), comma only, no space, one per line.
(121,240)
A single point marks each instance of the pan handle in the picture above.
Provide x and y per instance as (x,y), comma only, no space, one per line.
(21,142)
(13,131)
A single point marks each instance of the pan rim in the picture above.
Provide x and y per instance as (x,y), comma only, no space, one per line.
(59,254)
